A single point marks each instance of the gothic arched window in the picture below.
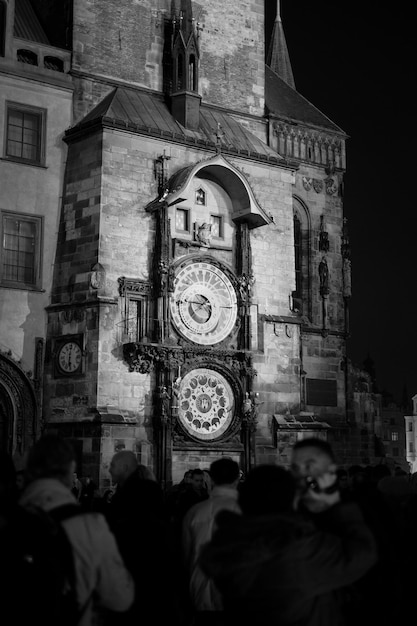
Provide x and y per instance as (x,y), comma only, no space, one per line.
(192,73)
(301,295)
(180,72)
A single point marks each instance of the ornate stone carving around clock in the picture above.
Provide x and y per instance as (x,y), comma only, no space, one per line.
(205,404)
(204,303)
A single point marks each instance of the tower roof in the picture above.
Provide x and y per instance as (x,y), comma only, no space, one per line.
(146,112)
(285,102)
(278,58)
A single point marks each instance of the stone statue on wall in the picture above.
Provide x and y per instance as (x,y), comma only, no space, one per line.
(324,277)
(203,234)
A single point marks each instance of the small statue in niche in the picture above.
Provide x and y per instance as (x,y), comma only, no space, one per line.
(324,241)
(163,274)
(347,278)
(200,196)
(324,277)
(203,234)
(247,405)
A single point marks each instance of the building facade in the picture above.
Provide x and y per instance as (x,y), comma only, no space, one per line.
(192,292)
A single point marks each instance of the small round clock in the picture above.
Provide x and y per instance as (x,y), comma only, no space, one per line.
(69,357)
(204,303)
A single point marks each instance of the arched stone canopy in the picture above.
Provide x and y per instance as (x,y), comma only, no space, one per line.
(218,169)
(19,407)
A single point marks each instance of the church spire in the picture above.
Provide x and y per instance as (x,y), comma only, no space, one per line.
(185,99)
(278,58)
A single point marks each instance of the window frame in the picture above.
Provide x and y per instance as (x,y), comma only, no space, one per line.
(38,240)
(220,219)
(24,108)
(187,213)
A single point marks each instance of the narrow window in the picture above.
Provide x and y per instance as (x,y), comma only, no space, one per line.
(20,251)
(25,134)
(137,322)
(217,226)
(191,73)
(394,435)
(298,257)
(180,72)
(182,220)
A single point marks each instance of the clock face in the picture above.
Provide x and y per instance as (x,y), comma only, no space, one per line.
(69,357)
(204,304)
(205,404)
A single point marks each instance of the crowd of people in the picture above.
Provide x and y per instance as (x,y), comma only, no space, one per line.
(309,545)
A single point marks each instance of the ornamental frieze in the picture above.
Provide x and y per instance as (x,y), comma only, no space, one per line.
(143,358)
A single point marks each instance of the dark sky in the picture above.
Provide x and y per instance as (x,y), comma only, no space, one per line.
(353,61)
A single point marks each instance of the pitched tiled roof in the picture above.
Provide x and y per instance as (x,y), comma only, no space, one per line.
(145,111)
(285,102)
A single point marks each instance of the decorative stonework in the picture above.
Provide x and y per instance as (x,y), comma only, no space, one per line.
(20,388)
(143,358)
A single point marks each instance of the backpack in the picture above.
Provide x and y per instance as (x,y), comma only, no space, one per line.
(38,575)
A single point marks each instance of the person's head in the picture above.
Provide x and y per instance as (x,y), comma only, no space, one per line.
(208,481)
(145,473)
(224,471)
(187,477)
(122,465)
(313,462)
(197,479)
(51,457)
(267,489)
(312,457)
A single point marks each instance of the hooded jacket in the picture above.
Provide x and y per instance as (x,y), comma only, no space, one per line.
(281,570)
(99,568)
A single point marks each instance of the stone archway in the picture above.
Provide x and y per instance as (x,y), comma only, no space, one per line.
(18,408)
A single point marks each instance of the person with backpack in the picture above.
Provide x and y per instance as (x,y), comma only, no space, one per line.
(95,580)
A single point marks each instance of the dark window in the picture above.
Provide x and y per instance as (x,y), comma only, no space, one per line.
(20,250)
(217,226)
(25,133)
(180,72)
(182,220)
(27,56)
(3,15)
(298,254)
(192,73)
(53,63)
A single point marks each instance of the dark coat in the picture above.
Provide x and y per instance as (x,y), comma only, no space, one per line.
(281,570)
(139,522)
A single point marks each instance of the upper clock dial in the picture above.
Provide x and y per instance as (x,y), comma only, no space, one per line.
(204,304)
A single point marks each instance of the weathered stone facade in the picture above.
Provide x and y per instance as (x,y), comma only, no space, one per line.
(178,123)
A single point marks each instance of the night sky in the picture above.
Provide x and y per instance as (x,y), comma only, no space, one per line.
(354,63)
